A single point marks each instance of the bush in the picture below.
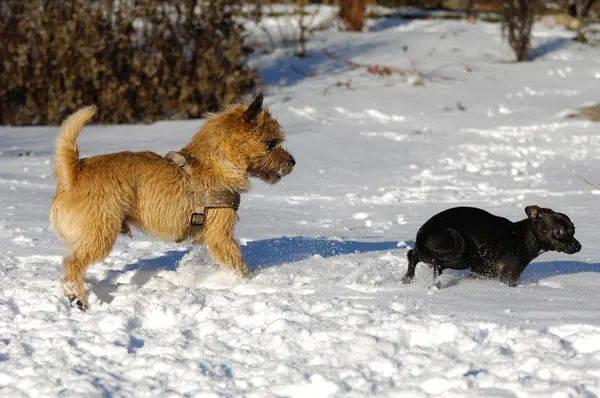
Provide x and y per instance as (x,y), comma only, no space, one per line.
(138,60)
(352,13)
(518,20)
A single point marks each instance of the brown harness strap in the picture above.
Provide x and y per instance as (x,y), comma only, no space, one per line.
(202,198)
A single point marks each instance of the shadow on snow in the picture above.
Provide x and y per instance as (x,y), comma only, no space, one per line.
(547,47)
(278,251)
(538,271)
(290,70)
(273,252)
(257,254)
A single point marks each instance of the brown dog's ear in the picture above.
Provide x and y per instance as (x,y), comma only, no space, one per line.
(533,212)
(253,109)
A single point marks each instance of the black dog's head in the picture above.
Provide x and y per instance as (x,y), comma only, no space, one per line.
(554,231)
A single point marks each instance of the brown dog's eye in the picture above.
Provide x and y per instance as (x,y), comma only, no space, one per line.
(272,144)
(559,232)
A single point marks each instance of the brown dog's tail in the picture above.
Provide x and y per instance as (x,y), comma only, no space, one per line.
(66,154)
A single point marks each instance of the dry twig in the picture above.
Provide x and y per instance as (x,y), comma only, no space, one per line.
(595,186)
(347,84)
(374,69)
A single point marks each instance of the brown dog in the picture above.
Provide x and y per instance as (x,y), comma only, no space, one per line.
(189,195)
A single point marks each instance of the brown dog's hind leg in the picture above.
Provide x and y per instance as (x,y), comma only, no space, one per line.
(92,248)
(72,281)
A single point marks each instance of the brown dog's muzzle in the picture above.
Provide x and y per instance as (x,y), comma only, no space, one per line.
(275,169)
(287,169)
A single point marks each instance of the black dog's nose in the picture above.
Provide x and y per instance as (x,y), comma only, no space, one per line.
(573,248)
(292,161)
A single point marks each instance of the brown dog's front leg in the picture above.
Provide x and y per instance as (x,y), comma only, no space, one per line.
(218,238)
(227,254)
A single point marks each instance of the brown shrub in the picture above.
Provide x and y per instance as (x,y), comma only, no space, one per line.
(138,60)
(352,13)
(518,20)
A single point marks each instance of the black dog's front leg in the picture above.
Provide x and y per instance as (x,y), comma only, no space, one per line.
(413,260)
(510,280)
(510,272)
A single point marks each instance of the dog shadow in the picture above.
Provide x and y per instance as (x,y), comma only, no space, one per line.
(269,253)
(538,271)
(258,255)
(533,274)
(143,271)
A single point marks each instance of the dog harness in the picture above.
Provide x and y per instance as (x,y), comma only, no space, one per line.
(203,198)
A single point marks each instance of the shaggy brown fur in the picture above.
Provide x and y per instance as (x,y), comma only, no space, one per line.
(99,197)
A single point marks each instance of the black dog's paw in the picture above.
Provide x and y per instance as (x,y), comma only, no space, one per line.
(407,279)
(436,286)
(509,281)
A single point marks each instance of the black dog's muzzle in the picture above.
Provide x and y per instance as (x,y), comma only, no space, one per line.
(572,247)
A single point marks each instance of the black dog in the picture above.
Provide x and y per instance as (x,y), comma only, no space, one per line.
(490,246)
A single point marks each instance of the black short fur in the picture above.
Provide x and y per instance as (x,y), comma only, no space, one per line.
(488,245)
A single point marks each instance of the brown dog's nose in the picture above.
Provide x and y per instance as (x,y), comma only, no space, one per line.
(292,161)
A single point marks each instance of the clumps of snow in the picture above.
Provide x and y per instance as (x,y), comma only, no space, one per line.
(583,339)
(328,315)
(23,240)
(360,216)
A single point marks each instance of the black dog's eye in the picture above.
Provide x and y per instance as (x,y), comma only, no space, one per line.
(558,232)
(272,144)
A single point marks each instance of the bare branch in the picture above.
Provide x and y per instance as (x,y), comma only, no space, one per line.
(595,186)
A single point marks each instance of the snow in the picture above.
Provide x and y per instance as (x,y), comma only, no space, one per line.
(328,315)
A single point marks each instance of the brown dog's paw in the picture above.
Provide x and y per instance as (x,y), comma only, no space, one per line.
(73,300)
(71,292)
(246,273)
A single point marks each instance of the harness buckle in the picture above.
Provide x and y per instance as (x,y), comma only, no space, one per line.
(197,219)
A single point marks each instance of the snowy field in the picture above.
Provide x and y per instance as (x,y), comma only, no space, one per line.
(328,315)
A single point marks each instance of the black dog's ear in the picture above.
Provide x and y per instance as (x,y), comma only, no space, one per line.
(253,109)
(534,212)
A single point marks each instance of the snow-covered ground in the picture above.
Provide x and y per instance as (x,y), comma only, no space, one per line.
(328,315)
